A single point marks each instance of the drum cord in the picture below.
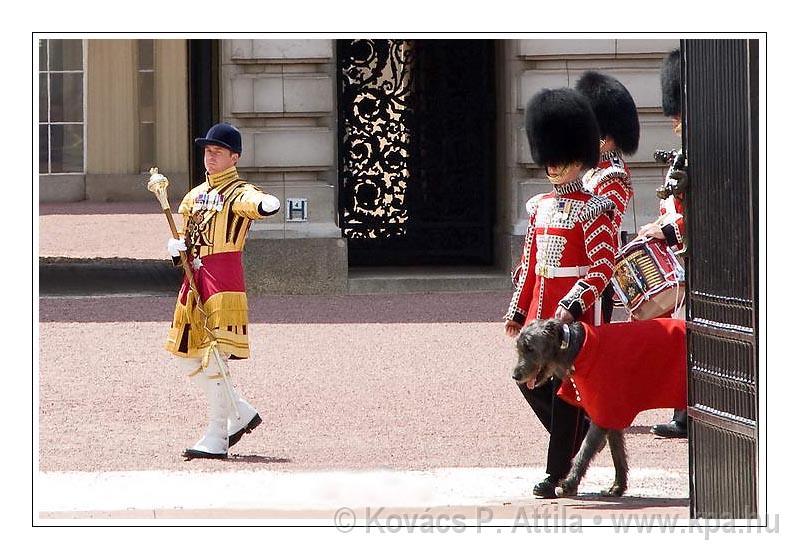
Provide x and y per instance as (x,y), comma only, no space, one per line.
(682,299)
(679,299)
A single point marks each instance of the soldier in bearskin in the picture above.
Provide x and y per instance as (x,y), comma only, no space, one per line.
(670,224)
(568,255)
(618,119)
(217,216)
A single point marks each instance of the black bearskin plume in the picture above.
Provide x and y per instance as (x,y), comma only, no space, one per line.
(671,84)
(562,129)
(614,108)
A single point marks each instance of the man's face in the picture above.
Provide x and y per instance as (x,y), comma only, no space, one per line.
(676,124)
(218,159)
(559,175)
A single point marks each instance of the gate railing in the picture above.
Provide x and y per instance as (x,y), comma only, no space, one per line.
(720,116)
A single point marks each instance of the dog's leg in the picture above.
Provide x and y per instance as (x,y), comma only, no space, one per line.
(616,443)
(592,444)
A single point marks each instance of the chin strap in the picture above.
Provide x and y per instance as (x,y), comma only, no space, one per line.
(566,336)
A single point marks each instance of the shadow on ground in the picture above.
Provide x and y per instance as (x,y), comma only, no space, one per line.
(478,307)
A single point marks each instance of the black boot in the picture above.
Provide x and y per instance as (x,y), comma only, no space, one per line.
(547,487)
(674,429)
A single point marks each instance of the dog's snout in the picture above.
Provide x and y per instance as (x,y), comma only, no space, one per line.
(516,375)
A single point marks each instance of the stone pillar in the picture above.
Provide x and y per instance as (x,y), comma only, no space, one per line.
(281,95)
(111,97)
(172,111)
(112,126)
(530,65)
(111,120)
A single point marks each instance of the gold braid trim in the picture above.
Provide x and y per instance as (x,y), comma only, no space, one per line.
(224,310)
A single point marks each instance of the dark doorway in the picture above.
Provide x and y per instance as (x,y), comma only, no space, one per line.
(203,99)
(417,151)
(721,139)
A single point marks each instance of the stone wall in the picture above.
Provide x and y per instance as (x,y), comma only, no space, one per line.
(281,93)
(530,65)
(281,96)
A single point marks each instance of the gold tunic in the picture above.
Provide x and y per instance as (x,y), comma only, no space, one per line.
(217,216)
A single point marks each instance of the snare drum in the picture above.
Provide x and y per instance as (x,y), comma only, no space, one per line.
(648,279)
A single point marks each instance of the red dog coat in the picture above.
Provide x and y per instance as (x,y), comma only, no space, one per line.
(625,368)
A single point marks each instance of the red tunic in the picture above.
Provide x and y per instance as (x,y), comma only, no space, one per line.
(611,179)
(568,228)
(625,368)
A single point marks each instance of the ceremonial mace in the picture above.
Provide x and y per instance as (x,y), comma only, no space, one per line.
(157,185)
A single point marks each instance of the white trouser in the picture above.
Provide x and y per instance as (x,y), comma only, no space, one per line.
(241,413)
(215,439)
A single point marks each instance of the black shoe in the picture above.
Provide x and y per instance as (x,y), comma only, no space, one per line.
(546,488)
(189,454)
(252,425)
(671,430)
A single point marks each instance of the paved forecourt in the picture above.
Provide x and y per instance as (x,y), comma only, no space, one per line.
(395,401)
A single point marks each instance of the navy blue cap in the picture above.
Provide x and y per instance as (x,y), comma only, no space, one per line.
(222,134)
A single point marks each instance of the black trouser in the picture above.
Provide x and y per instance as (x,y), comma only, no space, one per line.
(680,416)
(607,305)
(566,424)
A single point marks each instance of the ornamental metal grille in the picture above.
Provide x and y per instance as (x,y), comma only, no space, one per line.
(375,96)
(416,153)
(721,127)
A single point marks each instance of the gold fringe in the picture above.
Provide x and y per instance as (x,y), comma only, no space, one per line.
(223,309)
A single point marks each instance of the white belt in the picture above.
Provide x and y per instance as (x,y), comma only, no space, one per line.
(561,271)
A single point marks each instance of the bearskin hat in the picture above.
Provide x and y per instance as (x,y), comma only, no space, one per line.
(562,128)
(614,108)
(671,84)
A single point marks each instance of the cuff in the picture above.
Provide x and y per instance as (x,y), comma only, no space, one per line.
(670,234)
(517,316)
(574,309)
(573,302)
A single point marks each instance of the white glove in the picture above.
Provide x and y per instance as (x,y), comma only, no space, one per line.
(175,246)
(269,205)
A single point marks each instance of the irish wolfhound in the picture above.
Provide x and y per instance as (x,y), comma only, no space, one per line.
(613,371)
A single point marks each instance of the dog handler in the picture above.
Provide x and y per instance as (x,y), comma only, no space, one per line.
(217,216)
(567,258)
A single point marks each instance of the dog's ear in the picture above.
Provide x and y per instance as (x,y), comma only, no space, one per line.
(552,328)
(525,339)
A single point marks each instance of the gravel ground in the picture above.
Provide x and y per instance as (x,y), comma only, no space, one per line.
(413,381)
(135,230)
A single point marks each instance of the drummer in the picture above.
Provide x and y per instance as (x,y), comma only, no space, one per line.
(670,224)
(618,119)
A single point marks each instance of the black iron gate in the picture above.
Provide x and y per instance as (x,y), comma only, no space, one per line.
(416,151)
(721,140)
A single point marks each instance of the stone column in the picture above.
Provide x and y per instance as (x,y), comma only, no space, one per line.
(172,112)
(280,94)
(111,127)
